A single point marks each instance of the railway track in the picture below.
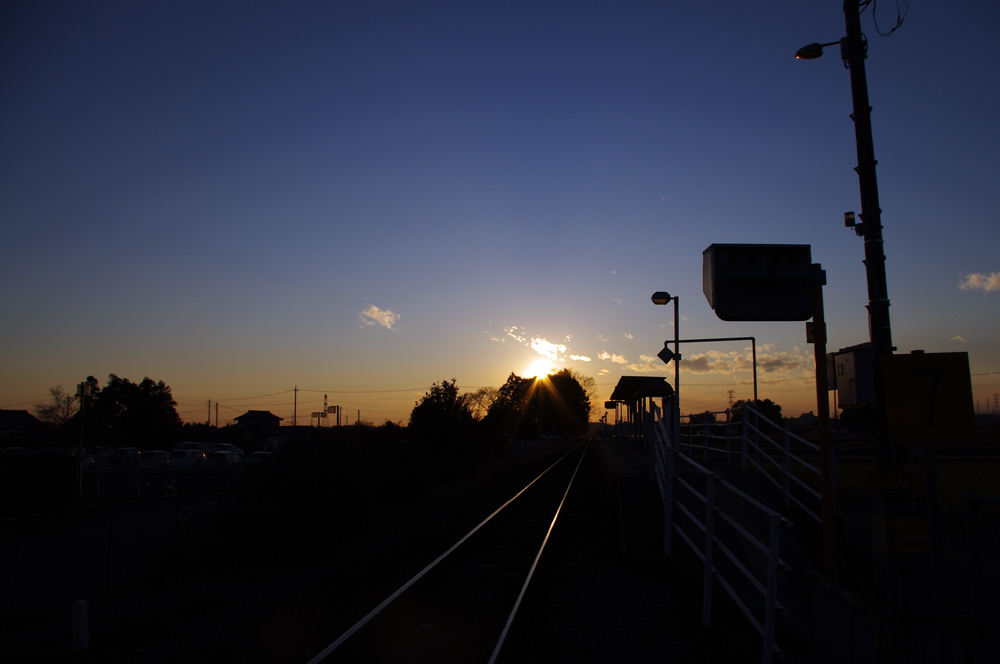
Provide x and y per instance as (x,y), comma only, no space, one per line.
(461,606)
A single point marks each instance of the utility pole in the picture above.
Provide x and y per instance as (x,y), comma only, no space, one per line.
(216,414)
(208,422)
(854,50)
(295,405)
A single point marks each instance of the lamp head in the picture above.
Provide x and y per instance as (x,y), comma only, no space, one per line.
(661,297)
(810,51)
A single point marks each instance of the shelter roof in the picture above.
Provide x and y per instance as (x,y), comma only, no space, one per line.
(632,388)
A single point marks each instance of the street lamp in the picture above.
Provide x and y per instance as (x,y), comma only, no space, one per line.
(661,298)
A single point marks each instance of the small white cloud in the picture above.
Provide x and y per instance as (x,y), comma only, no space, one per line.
(628,336)
(375,316)
(547,349)
(581,358)
(604,355)
(979,281)
(959,337)
(618,300)
(603,371)
(648,358)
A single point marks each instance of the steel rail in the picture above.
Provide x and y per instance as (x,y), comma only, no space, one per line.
(531,572)
(378,609)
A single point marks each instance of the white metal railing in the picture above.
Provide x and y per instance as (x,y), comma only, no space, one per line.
(778,454)
(703,516)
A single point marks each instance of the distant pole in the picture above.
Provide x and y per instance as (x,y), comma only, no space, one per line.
(208,422)
(295,406)
(216,414)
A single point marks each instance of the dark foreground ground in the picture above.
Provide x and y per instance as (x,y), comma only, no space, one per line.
(275,604)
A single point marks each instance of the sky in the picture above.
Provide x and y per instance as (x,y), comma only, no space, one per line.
(266,205)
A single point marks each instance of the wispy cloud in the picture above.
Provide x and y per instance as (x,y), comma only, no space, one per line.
(959,337)
(628,336)
(603,372)
(617,359)
(981,282)
(581,358)
(375,316)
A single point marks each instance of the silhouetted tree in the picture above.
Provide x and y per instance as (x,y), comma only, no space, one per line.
(589,386)
(562,404)
(441,419)
(133,414)
(507,413)
(526,407)
(59,409)
(480,401)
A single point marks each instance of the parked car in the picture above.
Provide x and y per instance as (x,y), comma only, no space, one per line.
(185,460)
(15,452)
(221,462)
(198,447)
(124,457)
(98,456)
(154,460)
(258,457)
(226,447)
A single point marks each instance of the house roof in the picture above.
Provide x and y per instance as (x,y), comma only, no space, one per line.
(18,420)
(258,415)
(633,388)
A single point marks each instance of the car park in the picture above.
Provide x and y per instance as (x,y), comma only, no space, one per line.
(188,445)
(226,447)
(185,460)
(124,457)
(258,457)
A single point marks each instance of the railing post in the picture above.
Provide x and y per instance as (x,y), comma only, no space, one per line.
(706,596)
(668,499)
(770,601)
(704,438)
(729,450)
(745,440)
(786,469)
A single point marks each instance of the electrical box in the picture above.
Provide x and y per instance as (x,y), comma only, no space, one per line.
(759,282)
(852,370)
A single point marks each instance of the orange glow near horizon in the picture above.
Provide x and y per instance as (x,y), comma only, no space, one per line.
(539,369)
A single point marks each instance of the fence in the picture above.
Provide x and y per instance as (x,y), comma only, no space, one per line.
(790,465)
(727,521)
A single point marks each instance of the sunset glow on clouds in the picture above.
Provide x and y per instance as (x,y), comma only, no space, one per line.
(979,281)
(375,316)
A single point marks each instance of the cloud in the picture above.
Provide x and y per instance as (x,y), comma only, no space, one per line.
(979,281)
(581,358)
(628,336)
(603,372)
(617,359)
(959,337)
(647,368)
(547,349)
(648,358)
(512,332)
(375,316)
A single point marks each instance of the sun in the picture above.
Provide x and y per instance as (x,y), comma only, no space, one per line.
(540,369)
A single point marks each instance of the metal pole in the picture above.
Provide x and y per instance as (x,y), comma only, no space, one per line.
(677,373)
(855,49)
(823,406)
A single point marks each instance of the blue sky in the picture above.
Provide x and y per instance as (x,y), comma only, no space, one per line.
(359,199)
